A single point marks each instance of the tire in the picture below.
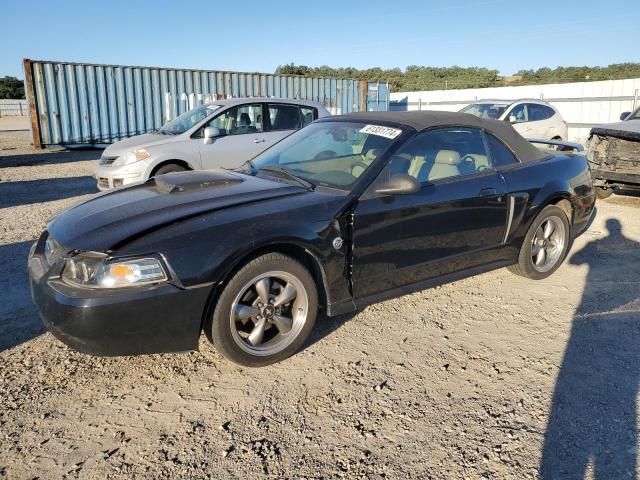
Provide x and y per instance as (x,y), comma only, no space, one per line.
(555,246)
(260,333)
(168,168)
(602,193)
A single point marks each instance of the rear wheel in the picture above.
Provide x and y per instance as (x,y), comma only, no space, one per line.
(545,244)
(168,168)
(602,192)
(265,312)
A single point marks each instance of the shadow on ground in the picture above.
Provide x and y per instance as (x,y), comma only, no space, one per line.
(19,320)
(592,424)
(7,159)
(47,190)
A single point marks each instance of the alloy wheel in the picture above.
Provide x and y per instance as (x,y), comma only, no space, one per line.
(268,313)
(548,244)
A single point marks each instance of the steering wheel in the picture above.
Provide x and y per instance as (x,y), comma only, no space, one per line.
(467,164)
(361,165)
(325,154)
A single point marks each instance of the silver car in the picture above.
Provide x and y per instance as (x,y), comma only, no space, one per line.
(224,133)
(531,118)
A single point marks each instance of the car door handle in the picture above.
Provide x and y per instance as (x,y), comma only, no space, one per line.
(488,192)
(258,140)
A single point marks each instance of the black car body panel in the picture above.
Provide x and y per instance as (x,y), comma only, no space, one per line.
(205,225)
(110,219)
(153,319)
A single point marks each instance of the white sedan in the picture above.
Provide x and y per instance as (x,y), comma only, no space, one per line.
(225,133)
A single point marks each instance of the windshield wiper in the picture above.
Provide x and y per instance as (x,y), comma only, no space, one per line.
(287,173)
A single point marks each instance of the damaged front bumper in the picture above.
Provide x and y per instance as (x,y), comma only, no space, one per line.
(127,321)
(614,158)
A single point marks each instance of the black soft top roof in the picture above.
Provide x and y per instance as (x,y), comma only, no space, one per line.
(422,120)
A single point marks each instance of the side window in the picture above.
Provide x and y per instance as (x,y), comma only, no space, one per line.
(284,117)
(236,121)
(309,114)
(500,154)
(520,113)
(442,153)
(539,112)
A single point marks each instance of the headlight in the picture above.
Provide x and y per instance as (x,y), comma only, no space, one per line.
(131,157)
(95,270)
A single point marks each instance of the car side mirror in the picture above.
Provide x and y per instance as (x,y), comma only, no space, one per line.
(513,119)
(624,115)
(210,133)
(400,184)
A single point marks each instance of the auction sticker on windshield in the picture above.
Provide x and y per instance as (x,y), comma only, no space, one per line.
(386,132)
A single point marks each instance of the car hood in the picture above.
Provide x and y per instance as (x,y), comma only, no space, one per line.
(110,219)
(139,141)
(629,130)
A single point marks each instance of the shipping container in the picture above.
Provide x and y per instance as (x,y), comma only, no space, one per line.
(86,104)
(378,97)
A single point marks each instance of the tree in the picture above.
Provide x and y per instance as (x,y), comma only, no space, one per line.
(416,78)
(11,87)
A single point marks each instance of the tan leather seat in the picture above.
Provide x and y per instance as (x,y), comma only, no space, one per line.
(480,161)
(371,155)
(445,165)
(367,159)
(416,164)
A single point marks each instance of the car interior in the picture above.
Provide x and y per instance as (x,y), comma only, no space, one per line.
(284,117)
(432,155)
(439,154)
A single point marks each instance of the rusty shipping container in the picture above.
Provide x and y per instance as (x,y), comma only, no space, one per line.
(86,104)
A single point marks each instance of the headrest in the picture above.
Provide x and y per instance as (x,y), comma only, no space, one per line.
(245,119)
(372,153)
(448,157)
(399,164)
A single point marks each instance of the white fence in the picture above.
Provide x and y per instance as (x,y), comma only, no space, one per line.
(13,108)
(582,105)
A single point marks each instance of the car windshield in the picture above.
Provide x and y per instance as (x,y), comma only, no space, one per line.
(485,110)
(187,120)
(331,154)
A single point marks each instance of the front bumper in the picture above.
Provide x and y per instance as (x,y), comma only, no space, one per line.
(129,321)
(109,177)
(603,177)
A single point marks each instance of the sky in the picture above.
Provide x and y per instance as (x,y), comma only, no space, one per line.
(253,36)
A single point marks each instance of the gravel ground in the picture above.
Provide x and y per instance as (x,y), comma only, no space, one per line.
(490,377)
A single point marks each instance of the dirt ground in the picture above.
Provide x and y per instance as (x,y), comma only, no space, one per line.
(490,377)
(14,123)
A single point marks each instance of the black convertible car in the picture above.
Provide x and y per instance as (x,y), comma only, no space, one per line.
(350,210)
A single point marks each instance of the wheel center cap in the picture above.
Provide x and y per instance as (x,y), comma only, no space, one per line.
(268,311)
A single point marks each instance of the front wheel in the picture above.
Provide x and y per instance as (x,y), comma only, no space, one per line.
(545,244)
(265,312)
(168,168)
